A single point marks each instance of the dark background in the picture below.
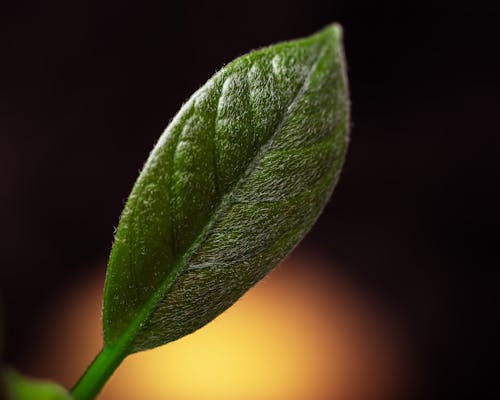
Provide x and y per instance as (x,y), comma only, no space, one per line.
(86,87)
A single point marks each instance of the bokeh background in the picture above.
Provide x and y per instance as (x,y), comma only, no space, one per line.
(393,293)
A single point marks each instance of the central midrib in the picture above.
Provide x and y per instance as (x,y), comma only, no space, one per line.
(126,340)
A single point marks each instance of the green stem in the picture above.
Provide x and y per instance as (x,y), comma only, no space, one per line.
(98,373)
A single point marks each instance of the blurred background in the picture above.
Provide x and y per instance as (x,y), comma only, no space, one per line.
(393,293)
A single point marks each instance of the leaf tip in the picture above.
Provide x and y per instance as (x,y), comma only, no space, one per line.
(334,30)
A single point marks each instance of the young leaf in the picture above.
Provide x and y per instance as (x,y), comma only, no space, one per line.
(236,180)
(21,388)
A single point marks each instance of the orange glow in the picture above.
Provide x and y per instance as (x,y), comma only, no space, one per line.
(296,335)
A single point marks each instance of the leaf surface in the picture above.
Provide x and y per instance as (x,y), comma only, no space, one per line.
(236,180)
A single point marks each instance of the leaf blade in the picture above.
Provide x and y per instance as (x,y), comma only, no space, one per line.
(240,153)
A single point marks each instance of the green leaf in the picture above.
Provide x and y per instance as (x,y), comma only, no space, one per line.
(20,388)
(237,179)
